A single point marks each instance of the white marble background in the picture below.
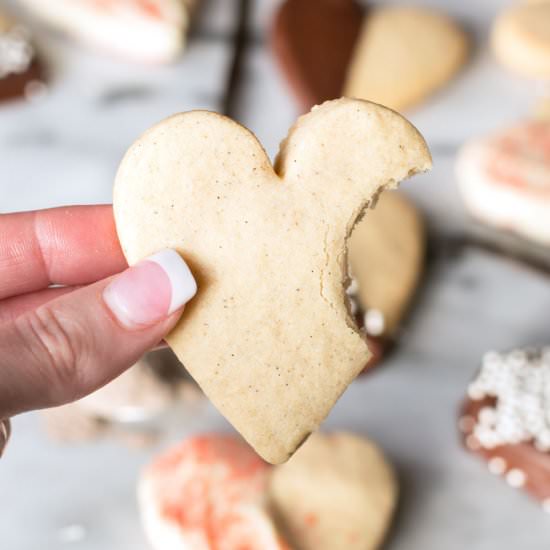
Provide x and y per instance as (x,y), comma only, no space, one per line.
(65,150)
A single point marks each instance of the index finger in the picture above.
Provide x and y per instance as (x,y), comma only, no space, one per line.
(73,245)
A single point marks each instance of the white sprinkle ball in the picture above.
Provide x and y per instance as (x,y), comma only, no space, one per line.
(516,478)
(353,287)
(475,392)
(487,416)
(375,322)
(16,52)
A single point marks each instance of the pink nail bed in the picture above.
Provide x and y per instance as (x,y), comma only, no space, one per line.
(151,290)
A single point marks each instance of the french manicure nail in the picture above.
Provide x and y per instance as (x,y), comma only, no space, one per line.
(151,290)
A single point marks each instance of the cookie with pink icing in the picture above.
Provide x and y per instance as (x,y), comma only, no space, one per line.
(208,493)
(149,31)
(212,492)
(504,179)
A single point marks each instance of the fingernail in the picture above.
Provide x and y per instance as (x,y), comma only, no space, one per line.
(151,290)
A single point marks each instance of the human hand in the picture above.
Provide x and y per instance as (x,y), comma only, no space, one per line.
(59,344)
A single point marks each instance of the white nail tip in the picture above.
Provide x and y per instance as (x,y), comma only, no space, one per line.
(184,286)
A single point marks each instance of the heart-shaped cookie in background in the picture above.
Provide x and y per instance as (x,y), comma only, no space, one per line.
(212,491)
(504,419)
(395,56)
(21,72)
(386,257)
(504,179)
(338,491)
(521,39)
(147,31)
(403,55)
(269,337)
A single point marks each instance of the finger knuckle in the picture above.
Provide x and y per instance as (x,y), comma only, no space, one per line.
(57,344)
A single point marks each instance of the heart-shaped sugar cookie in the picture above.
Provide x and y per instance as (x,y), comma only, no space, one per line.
(392,55)
(269,337)
(338,491)
(404,54)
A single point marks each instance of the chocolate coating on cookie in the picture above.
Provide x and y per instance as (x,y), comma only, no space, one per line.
(506,419)
(313,41)
(19,66)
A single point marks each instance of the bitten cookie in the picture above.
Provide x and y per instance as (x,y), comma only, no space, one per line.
(20,69)
(208,493)
(337,491)
(386,255)
(149,31)
(269,337)
(521,39)
(504,179)
(403,55)
(505,419)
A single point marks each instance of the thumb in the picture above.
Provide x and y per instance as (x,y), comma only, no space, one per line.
(73,345)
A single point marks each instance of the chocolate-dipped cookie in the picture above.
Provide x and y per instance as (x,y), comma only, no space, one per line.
(313,41)
(20,69)
(506,419)
(395,56)
(386,256)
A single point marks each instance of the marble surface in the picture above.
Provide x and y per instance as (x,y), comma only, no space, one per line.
(65,150)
